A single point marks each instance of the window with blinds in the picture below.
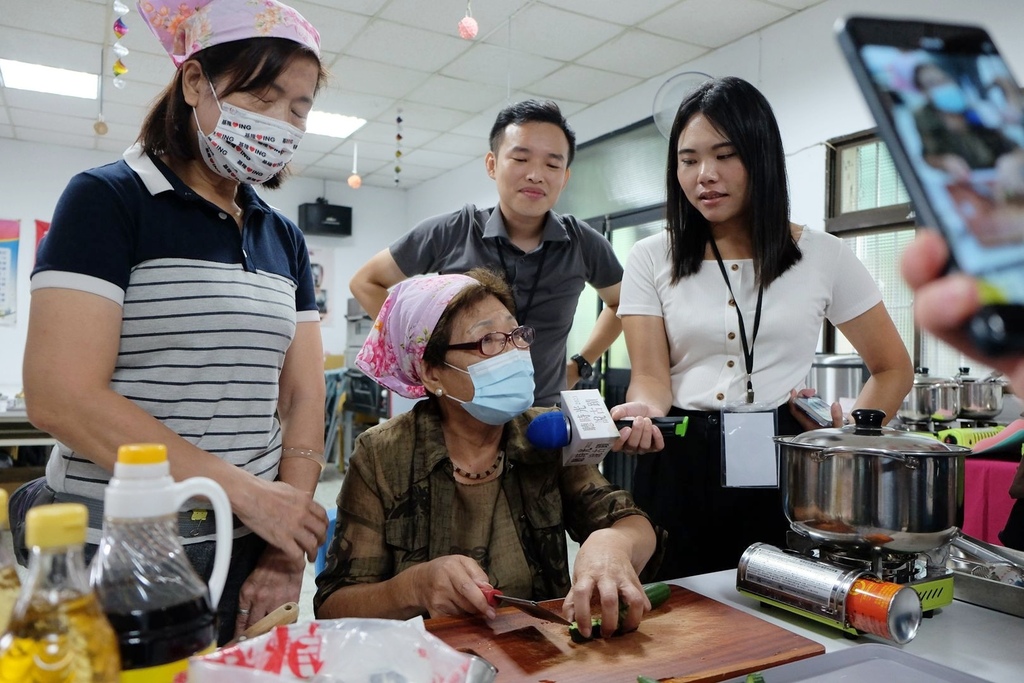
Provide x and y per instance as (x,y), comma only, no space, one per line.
(869,208)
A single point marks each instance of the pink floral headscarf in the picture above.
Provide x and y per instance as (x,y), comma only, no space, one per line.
(393,352)
(185,28)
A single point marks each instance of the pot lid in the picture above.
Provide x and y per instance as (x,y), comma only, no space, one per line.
(922,379)
(868,432)
(993,378)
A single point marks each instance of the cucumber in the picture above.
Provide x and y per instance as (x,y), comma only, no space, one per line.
(645,679)
(657,593)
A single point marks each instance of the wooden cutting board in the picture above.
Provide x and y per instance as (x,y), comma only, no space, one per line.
(689,638)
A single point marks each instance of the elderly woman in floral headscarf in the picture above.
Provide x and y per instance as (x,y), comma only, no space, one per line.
(450,500)
(172,304)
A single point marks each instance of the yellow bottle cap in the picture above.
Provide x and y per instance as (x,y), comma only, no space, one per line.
(4,521)
(142,453)
(56,525)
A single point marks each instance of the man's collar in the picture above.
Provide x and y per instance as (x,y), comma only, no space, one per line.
(553,229)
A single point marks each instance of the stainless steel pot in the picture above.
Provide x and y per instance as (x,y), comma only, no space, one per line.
(980,399)
(837,375)
(932,399)
(872,486)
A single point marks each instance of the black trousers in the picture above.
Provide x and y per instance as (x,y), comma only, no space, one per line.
(709,526)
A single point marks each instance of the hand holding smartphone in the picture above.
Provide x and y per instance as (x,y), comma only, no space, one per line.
(952,116)
(815,408)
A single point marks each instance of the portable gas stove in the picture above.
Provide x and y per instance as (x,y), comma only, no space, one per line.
(856,590)
(926,573)
(962,432)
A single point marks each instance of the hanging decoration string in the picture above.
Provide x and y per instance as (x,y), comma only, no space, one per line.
(468,28)
(354,181)
(398,144)
(119,50)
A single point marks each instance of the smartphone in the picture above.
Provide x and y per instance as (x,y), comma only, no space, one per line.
(952,116)
(816,408)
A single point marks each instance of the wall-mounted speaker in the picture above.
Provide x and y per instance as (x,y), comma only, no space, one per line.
(321,218)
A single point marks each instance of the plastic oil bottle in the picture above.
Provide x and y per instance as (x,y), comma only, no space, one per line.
(58,631)
(10,584)
(162,611)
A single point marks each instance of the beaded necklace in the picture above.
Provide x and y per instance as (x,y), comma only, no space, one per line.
(481,475)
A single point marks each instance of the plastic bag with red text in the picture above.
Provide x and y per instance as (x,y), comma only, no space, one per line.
(336,651)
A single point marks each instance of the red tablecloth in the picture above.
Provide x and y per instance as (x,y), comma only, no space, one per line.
(987,499)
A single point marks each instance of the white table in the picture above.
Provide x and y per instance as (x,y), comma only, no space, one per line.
(962,636)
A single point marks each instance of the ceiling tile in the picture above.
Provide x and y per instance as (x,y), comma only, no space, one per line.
(553,33)
(583,84)
(51,137)
(454,93)
(458,144)
(337,28)
(365,7)
(700,21)
(383,132)
(426,157)
(495,65)
(352,74)
(391,43)
(77,19)
(43,103)
(641,54)
(444,15)
(429,117)
(625,13)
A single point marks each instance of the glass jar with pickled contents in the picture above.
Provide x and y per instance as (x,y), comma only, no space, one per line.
(58,631)
(10,584)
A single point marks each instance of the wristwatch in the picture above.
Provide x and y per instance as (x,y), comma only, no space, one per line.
(585,369)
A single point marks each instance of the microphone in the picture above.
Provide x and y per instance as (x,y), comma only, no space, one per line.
(584,428)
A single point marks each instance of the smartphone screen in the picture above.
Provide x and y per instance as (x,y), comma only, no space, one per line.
(952,115)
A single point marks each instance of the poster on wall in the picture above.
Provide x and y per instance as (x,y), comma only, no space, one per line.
(321,262)
(41,228)
(10,231)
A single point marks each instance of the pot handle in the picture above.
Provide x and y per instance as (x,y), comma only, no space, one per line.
(881,452)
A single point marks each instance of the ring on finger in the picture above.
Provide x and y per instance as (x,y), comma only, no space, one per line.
(243,612)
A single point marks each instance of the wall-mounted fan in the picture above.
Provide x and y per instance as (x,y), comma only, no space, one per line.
(671,94)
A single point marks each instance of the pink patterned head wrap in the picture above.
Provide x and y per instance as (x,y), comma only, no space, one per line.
(393,352)
(186,27)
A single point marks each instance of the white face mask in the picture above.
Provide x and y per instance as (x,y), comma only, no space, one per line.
(247,147)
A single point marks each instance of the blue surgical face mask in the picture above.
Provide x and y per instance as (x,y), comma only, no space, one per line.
(948,97)
(502,387)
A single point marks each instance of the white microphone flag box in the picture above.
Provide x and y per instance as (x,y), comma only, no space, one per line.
(591,428)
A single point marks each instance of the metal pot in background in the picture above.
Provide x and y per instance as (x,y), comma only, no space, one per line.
(980,399)
(837,375)
(871,486)
(932,399)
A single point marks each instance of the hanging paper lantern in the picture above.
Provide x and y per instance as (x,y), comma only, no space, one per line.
(120,28)
(355,182)
(468,28)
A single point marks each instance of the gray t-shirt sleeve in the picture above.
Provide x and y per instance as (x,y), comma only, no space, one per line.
(603,267)
(423,249)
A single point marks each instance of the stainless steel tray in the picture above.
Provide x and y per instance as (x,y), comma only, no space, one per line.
(870,663)
(973,586)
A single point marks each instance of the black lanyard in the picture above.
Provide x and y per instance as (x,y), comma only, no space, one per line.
(511,280)
(748,350)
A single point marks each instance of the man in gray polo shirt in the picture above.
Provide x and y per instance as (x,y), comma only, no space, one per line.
(546,257)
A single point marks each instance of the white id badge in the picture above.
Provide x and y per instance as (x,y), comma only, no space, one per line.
(749,456)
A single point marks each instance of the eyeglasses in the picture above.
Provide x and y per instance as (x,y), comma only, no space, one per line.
(493,343)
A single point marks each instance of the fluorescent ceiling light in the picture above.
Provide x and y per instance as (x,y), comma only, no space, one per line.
(39,78)
(332,125)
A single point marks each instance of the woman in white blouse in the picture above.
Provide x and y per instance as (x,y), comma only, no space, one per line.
(722,313)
